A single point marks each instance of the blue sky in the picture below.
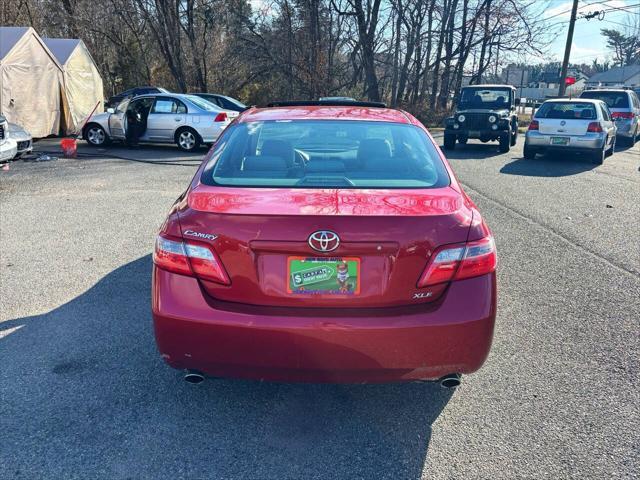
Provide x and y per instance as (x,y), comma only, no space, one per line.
(588,43)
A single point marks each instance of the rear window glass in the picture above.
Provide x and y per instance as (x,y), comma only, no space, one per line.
(326,154)
(612,99)
(567,110)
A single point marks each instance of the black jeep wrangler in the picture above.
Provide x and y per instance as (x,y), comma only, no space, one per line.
(486,112)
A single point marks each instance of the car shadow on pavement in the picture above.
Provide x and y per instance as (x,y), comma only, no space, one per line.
(86,395)
(550,165)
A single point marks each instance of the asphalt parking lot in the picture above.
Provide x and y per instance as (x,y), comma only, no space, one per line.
(85,394)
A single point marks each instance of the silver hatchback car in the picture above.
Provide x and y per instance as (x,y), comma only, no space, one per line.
(572,125)
(625,110)
(186,120)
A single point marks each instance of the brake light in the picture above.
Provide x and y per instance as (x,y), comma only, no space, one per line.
(625,115)
(221,117)
(594,127)
(534,125)
(189,258)
(457,262)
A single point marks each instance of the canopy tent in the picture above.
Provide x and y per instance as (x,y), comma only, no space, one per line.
(82,81)
(31,88)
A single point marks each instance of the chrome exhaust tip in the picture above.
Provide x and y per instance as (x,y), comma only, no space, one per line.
(450,381)
(194,377)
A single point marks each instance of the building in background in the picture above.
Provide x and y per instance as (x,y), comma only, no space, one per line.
(627,76)
(82,81)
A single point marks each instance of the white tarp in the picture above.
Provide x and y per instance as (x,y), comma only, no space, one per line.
(30,82)
(82,81)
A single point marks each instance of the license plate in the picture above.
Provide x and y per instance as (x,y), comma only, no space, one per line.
(474,133)
(325,276)
(559,140)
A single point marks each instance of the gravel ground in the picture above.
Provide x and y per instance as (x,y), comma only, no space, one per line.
(85,395)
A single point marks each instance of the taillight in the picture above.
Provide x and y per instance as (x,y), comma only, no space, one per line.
(594,127)
(221,117)
(457,262)
(624,115)
(188,258)
(534,125)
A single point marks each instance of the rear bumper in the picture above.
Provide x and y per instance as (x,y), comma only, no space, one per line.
(588,142)
(211,133)
(411,343)
(625,128)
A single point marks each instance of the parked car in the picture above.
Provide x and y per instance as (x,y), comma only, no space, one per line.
(486,112)
(327,242)
(132,92)
(572,125)
(23,139)
(625,110)
(8,146)
(228,103)
(185,120)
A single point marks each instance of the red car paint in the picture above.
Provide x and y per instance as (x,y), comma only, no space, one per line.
(242,321)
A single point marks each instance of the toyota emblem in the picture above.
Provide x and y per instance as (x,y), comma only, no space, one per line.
(324,241)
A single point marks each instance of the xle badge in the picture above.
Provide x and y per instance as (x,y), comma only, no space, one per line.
(419,295)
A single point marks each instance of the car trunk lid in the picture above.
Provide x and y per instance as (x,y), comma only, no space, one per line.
(563,126)
(262,236)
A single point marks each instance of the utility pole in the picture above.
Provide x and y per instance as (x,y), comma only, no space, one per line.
(567,50)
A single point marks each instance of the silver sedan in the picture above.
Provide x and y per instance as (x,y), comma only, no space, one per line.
(186,120)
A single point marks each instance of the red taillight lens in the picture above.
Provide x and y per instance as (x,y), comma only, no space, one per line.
(625,115)
(221,117)
(187,258)
(457,262)
(479,258)
(534,125)
(594,127)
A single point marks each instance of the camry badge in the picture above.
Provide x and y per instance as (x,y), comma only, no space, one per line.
(324,241)
(206,236)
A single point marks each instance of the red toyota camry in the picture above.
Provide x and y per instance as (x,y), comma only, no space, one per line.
(325,242)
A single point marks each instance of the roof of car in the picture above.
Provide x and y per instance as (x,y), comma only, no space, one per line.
(490,85)
(573,100)
(616,90)
(334,112)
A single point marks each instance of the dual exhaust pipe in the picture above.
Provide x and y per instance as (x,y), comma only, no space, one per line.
(450,381)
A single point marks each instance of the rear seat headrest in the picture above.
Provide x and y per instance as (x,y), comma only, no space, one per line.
(374,147)
(264,163)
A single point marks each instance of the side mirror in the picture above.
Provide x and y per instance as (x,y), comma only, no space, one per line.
(111,110)
(517,102)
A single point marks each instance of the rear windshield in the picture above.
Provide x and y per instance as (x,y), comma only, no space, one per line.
(612,99)
(203,104)
(326,154)
(567,110)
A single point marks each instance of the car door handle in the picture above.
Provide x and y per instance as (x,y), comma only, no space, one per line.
(178,119)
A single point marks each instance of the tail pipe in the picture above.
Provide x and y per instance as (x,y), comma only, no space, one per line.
(194,377)
(450,381)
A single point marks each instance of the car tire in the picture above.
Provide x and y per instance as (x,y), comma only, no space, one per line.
(514,137)
(449,141)
(529,153)
(187,139)
(462,140)
(505,142)
(598,155)
(95,135)
(610,151)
